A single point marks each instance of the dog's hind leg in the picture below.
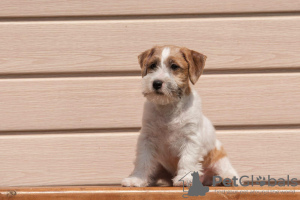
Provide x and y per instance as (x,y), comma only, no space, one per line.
(224,169)
(218,164)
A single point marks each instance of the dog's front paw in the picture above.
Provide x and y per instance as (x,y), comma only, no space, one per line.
(179,180)
(133,181)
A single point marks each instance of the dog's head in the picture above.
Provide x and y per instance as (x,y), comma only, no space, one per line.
(167,70)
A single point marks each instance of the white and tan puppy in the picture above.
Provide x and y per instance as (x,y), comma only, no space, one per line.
(176,138)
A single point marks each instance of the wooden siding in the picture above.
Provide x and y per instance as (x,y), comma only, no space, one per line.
(105,158)
(113,45)
(21,8)
(117,102)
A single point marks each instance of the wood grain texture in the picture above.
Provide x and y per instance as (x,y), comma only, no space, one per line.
(22,8)
(113,45)
(106,158)
(117,102)
(168,193)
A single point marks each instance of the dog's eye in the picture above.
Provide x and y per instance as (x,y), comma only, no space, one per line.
(174,67)
(152,66)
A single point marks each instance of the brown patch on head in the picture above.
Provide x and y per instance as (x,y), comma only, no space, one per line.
(143,60)
(213,156)
(178,67)
(196,63)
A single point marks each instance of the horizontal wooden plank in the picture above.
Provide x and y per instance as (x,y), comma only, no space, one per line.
(113,45)
(106,158)
(167,193)
(114,102)
(21,8)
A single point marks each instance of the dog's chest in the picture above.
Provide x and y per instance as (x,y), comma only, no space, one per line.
(170,126)
(169,139)
(170,134)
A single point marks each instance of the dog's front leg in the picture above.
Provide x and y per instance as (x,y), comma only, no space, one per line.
(188,162)
(145,165)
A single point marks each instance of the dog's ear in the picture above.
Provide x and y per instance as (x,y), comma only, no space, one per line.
(143,57)
(196,62)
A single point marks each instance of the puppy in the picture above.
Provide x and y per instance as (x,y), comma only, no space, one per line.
(176,138)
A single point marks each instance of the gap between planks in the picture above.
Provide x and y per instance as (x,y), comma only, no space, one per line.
(150,17)
(138,73)
(295,128)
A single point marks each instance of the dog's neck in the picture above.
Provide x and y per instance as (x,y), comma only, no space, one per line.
(177,107)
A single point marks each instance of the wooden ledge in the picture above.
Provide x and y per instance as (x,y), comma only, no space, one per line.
(172,193)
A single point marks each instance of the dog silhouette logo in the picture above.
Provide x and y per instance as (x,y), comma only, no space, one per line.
(197,188)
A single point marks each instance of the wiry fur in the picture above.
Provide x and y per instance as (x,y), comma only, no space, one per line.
(175,136)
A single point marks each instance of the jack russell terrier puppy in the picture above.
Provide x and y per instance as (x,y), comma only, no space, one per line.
(176,138)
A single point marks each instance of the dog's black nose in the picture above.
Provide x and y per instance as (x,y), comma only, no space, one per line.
(157,84)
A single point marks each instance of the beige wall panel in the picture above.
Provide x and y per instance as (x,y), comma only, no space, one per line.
(21,8)
(114,102)
(113,45)
(84,158)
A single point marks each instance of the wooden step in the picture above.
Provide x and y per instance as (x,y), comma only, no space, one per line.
(172,193)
